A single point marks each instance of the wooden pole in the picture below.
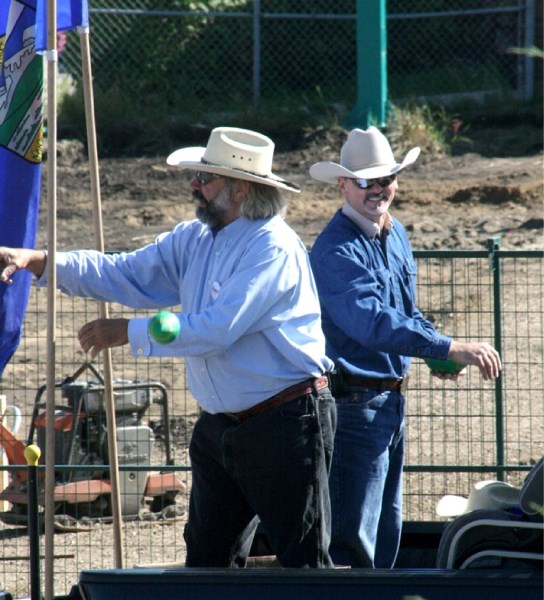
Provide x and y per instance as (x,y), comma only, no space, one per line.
(51,56)
(104,309)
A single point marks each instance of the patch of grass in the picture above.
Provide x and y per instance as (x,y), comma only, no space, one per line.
(154,124)
(449,79)
(432,129)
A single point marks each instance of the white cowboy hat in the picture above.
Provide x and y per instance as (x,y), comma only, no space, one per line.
(492,495)
(236,153)
(364,155)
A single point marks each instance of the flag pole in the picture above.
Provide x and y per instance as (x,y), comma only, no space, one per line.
(103,306)
(51,56)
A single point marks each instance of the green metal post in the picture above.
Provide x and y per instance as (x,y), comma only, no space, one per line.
(371,101)
(493,245)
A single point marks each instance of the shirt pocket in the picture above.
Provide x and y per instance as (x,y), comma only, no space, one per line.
(383,284)
(409,276)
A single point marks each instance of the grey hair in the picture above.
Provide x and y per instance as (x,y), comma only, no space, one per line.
(262,201)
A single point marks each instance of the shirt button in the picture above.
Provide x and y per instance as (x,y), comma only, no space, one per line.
(140,351)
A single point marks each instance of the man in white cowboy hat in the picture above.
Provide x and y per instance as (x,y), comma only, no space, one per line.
(250,332)
(365,275)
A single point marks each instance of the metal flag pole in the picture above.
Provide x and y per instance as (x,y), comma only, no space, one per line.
(51,56)
(32,456)
(104,309)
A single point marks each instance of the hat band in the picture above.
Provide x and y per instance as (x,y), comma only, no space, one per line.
(278,179)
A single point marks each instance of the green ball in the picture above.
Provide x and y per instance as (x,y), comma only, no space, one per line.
(164,327)
(448,366)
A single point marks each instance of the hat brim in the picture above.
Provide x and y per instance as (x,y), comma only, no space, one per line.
(329,172)
(486,494)
(191,158)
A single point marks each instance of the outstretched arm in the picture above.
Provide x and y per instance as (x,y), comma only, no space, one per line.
(15,259)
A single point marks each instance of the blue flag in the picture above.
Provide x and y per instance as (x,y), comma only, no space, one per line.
(21,142)
(70,14)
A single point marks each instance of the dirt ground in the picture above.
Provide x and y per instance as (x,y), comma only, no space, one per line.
(445,202)
(448,202)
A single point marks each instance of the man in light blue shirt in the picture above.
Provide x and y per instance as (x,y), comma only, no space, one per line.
(250,332)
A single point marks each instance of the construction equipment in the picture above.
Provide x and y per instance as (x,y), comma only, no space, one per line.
(82,484)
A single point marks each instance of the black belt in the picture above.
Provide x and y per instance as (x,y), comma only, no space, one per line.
(340,381)
(288,394)
(384,385)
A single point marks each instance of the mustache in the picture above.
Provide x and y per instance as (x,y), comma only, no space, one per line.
(198,196)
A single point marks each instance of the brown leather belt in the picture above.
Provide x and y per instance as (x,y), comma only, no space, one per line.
(384,385)
(288,394)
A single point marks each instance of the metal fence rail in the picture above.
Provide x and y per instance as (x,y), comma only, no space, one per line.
(460,433)
(457,433)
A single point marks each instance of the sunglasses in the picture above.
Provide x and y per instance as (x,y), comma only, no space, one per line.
(204,177)
(383,182)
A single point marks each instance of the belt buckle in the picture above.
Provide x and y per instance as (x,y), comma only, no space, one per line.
(233,417)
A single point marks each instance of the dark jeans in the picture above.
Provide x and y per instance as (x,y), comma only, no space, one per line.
(273,467)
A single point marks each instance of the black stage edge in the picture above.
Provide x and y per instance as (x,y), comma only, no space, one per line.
(308,584)
(418,546)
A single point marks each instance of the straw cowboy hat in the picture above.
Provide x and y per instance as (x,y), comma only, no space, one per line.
(492,495)
(236,153)
(364,155)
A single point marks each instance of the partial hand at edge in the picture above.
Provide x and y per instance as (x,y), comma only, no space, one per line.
(99,334)
(15,259)
(449,376)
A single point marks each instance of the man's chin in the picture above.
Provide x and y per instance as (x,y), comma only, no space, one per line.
(201,214)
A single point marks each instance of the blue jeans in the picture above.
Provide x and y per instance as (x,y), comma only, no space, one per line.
(272,467)
(366,478)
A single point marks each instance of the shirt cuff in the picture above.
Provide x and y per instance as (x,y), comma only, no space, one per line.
(138,337)
(443,342)
(60,261)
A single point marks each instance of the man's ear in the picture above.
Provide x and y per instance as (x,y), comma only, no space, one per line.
(342,182)
(240,190)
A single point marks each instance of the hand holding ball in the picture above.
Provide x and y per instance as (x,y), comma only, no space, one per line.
(164,327)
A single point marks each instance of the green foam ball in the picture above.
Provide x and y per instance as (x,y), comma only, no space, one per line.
(164,327)
(444,366)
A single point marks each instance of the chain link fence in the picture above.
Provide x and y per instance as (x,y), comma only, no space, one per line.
(457,434)
(225,55)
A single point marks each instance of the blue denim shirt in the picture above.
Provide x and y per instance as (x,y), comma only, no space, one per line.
(367,292)
(250,317)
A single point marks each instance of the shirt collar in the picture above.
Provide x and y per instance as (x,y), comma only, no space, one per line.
(370,228)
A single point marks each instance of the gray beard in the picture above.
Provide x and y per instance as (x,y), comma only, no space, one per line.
(213,213)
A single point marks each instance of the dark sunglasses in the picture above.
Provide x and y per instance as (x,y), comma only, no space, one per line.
(203,177)
(383,182)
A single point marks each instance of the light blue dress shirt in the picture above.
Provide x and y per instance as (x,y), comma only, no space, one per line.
(250,317)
